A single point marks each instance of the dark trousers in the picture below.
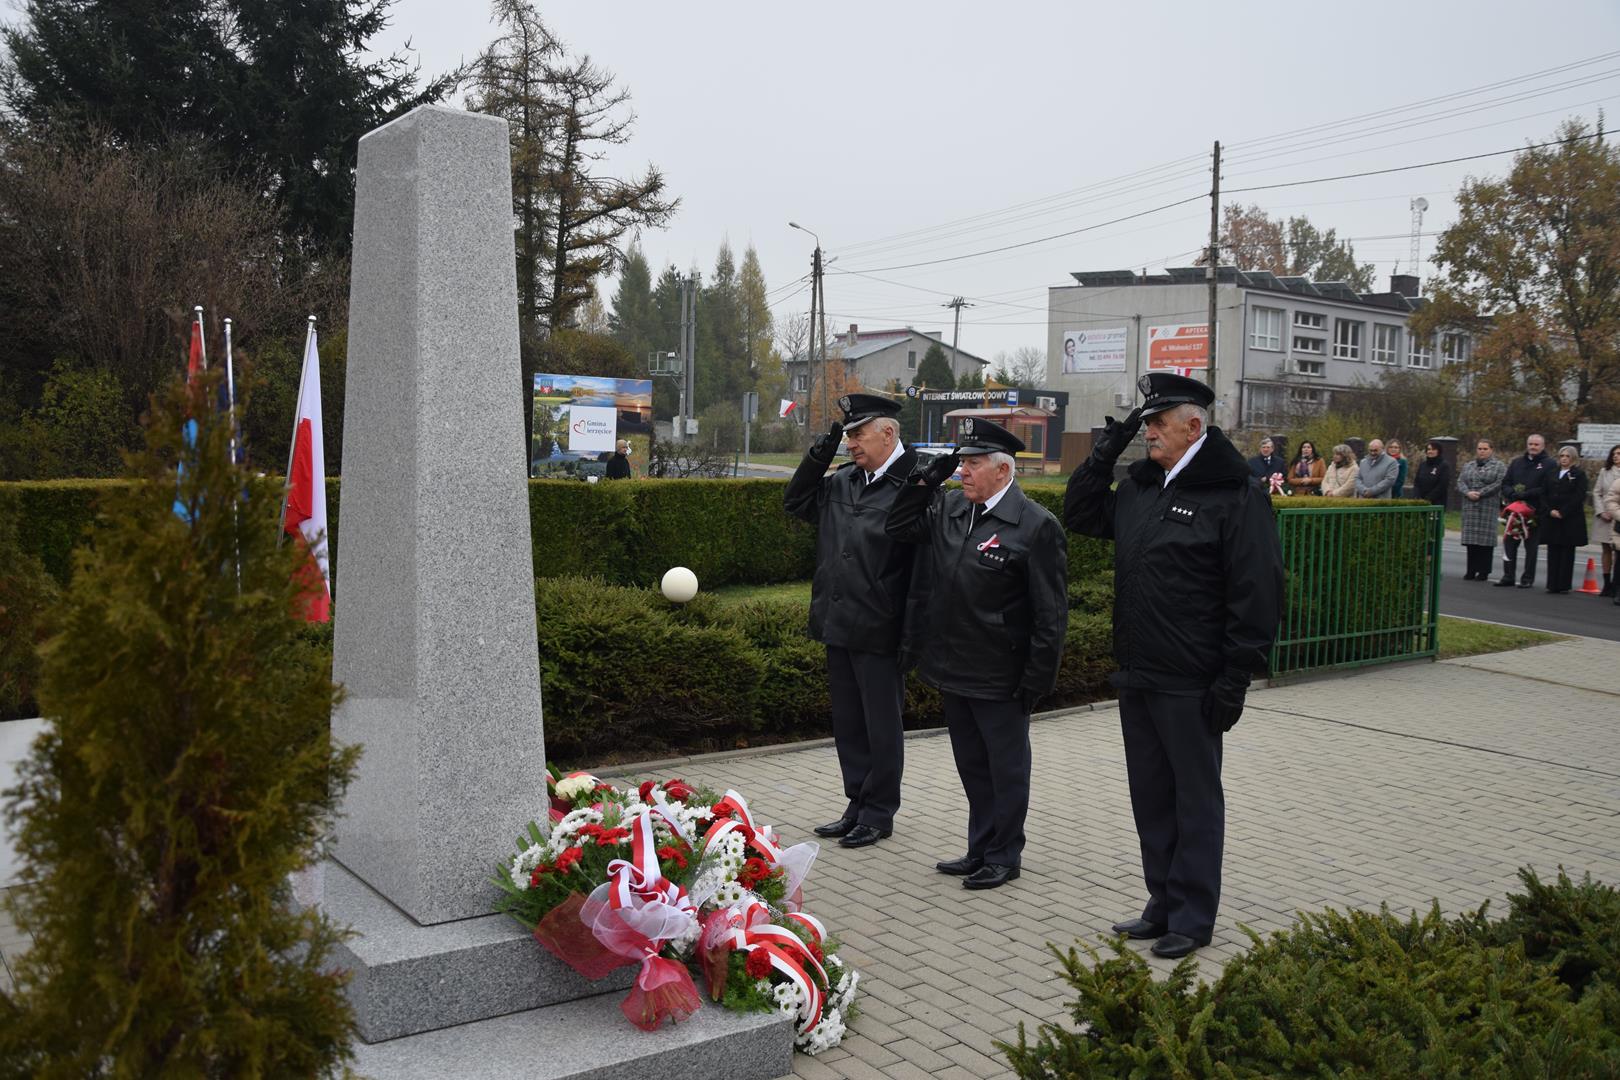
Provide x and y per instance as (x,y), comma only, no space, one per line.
(1510,558)
(990,740)
(868,692)
(1560,567)
(1479,560)
(1174,766)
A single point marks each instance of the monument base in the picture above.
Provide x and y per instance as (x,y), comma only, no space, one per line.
(452,992)
(590,1039)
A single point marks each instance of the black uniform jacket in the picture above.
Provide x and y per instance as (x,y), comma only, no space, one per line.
(1528,479)
(1433,480)
(1198,573)
(997,606)
(1568,497)
(858,594)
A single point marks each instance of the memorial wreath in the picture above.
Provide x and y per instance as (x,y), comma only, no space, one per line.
(670,876)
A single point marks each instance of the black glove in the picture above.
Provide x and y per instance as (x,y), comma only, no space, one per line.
(1116,436)
(936,472)
(1223,701)
(1027,698)
(826,445)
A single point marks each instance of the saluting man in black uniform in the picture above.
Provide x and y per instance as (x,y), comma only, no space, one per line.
(997,611)
(1197,598)
(857,605)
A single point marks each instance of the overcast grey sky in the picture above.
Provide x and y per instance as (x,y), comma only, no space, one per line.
(909,132)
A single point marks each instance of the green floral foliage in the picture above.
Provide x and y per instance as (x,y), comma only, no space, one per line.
(187,772)
(1359,994)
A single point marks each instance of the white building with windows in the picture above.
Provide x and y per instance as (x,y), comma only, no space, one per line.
(879,357)
(1285,344)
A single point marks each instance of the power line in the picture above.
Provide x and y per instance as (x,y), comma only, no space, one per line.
(1420,165)
(1040,239)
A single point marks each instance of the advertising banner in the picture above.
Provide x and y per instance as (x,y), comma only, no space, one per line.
(1086,351)
(579,419)
(1178,347)
(1597,439)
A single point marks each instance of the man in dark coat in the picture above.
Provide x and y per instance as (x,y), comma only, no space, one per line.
(1267,463)
(997,611)
(1528,477)
(1197,599)
(618,466)
(858,604)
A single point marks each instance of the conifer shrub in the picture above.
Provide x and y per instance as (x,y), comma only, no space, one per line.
(1358,994)
(27,593)
(186,772)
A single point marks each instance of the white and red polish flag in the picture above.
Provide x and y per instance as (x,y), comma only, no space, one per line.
(305,516)
(787,407)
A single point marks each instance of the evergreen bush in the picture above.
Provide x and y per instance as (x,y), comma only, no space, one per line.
(187,771)
(1358,994)
(27,592)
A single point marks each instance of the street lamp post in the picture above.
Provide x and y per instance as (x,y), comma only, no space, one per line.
(817,301)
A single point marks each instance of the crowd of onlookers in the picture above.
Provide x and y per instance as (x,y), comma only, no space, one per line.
(1532,501)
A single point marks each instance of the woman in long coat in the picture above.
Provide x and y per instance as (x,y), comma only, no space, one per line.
(1479,481)
(1608,480)
(1564,528)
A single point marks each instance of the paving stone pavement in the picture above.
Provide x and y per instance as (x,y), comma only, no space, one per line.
(1402,784)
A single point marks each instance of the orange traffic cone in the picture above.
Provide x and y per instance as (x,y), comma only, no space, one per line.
(1590,585)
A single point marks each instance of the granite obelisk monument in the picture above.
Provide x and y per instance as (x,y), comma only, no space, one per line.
(435,627)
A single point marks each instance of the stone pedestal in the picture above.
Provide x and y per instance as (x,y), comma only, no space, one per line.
(435,634)
(436,647)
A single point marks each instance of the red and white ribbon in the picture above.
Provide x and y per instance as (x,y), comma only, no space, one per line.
(993,542)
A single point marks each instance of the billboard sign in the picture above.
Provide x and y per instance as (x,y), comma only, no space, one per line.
(1087,351)
(1179,347)
(578,419)
(1597,439)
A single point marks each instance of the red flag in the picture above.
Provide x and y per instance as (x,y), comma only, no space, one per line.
(306,491)
(196,362)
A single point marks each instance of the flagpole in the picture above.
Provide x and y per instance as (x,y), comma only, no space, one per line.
(230,389)
(292,447)
(230,412)
(202,336)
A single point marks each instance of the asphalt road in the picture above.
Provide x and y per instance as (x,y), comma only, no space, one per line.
(1577,613)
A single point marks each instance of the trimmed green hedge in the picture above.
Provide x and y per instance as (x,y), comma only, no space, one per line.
(1360,994)
(626,674)
(727,532)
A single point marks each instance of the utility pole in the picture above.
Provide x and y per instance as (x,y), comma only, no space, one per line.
(688,356)
(1214,256)
(958,303)
(818,320)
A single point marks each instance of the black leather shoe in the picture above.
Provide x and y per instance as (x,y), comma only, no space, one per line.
(962,867)
(1525,584)
(862,835)
(990,876)
(835,828)
(1505,583)
(1140,929)
(1175,946)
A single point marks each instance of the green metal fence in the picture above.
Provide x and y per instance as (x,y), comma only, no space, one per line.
(1362,585)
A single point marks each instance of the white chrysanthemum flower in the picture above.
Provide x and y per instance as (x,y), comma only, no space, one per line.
(829,1032)
(762,985)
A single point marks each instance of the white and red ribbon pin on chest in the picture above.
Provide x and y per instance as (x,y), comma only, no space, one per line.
(993,542)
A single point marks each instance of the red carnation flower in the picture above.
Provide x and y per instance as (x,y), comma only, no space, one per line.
(534,876)
(645,790)
(673,854)
(759,964)
(604,837)
(754,871)
(568,858)
(678,789)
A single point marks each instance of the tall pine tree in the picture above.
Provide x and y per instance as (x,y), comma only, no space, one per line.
(277,89)
(631,319)
(720,349)
(188,770)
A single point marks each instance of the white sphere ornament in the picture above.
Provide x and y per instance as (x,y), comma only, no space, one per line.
(679,584)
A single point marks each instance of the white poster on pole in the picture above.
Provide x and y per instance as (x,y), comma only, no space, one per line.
(591,428)
(1087,351)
